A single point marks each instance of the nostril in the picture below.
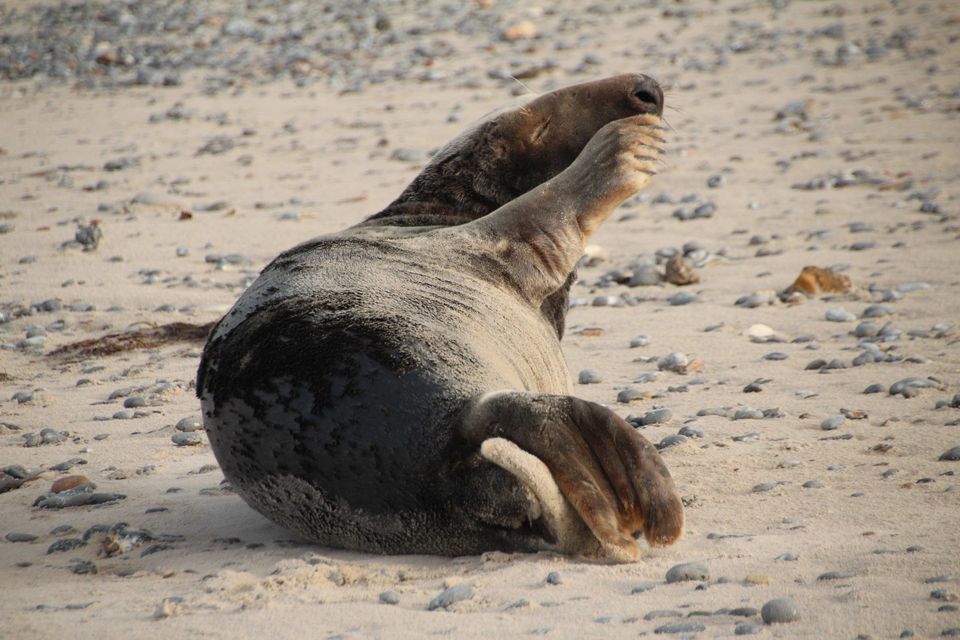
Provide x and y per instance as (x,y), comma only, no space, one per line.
(647,96)
(643,95)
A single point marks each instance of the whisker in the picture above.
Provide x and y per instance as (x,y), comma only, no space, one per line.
(529,90)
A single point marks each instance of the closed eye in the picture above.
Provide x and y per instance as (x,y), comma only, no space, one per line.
(541,130)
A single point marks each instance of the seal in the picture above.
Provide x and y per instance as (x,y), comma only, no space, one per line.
(399,387)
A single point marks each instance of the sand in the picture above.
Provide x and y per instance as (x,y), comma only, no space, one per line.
(311,160)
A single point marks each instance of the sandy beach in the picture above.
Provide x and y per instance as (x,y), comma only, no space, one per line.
(815,440)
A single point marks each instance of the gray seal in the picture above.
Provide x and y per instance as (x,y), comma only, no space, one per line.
(399,387)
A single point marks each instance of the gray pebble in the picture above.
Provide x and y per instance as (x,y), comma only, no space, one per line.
(831,423)
(691,432)
(680,627)
(134,402)
(748,413)
(951,455)
(877,311)
(14,536)
(780,610)
(186,439)
(662,613)
(639,341)
(812,484)
(66,544)
(747,437)
(840,315)
(657,416)
(875,388)
(681,298)
(835,575)
(763,486)
(645,276)
(688,571)
(641,588)
(554,578)
(671,440)
(673,361)
(788,557)
(589,376)
(390,597)
(629,395)
(451,596)
(189,424)
(747,629)
(775,355)
(908,387)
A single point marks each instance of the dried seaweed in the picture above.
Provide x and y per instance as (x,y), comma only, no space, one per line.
(148,338)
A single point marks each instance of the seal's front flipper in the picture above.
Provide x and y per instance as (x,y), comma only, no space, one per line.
(614,480)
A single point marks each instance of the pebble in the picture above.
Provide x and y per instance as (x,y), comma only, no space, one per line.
(673,361)
(14,536)
(671,440)
(747,628)
(951,455)
(657,416)
(909,387)
(189,424)
(643,587)
(639,341)
(835,575)
(586,376)
(780,610)
(66,544)
(831,423)
(680,627)
(875,388)
(134,402)
(451,596)
(840,315)
(763,487)
(554,578)
(186,439)
(390,597)
(688,571)
(681,298)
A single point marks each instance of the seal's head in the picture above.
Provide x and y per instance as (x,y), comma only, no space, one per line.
(515,149)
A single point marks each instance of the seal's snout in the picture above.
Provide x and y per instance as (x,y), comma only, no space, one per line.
(647,95)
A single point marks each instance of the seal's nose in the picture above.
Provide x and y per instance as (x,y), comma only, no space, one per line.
(648,94)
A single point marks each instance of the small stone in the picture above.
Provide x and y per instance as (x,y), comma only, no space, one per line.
(688,571)
(763,487)
(674,361)
(680,627)
(14,536)
(840,315)
(639,341)
(780,610)
(657,416)
(589,376)
(681,298)
(390,597)
(186,439)
(951,455)
(835,575)
(812,484)
(642,588)
(747,628)
(189,424)
(66,544)
(875,388)
(831,423)
(671,440)
(554,578)
(134,402)
(451,596)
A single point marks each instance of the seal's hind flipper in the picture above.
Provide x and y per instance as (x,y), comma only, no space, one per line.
(608,473)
